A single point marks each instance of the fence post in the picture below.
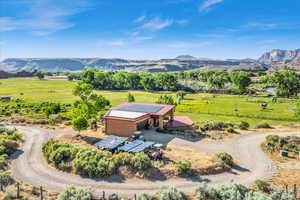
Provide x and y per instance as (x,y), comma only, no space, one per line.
(41,192)
(18,190)
(295,191)
(103,195)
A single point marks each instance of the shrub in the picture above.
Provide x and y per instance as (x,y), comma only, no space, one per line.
(231,130)
(261,185)
(225,158)
(3,162)
(144,196)
(130,97)
(203,192)
(166,99)
(279,194)
(93,163)
(75,193)
(8,146)
(183,167)
(53,108)
(171,193)
(6,179)
(218,126)
(244,125)
(272,139)
(263,125)
(61,154)
(141,161)
(121,159)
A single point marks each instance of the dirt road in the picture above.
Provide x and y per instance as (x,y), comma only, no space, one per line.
(30,166)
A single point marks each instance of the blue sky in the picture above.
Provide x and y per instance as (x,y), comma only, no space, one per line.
(147,29)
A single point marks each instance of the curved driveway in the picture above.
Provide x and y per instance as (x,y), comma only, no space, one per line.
(31,168)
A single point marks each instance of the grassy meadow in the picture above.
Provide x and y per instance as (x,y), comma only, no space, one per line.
(200,107)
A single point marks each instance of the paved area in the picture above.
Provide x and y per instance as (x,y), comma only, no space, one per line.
(30,167)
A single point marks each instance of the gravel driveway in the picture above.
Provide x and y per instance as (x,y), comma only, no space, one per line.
(30,167)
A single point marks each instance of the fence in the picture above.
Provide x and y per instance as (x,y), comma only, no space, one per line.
(294,190)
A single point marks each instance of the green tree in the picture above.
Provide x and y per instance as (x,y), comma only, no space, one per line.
(287,83)
(130,97)
(167,81)
(134,81)
(149,83)
(166,99)
(180,96)
(241,80)
(218,80)
(89,105)
(80,123)
(40,74)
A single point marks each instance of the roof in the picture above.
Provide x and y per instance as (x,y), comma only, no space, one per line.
(121,114)
(179,121)
(153,109)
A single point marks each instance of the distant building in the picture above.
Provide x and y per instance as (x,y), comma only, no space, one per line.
(127,118)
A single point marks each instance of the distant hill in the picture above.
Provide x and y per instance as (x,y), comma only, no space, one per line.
(185,57)
(276,59)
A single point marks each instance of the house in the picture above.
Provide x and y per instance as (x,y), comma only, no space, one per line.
(128,118)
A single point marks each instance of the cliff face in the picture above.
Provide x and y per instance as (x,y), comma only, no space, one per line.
(276,59)
(77,64)
(278,56)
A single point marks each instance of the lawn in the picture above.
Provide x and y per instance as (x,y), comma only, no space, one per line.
(200,107)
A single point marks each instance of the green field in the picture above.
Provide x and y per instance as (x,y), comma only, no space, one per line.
(200,107)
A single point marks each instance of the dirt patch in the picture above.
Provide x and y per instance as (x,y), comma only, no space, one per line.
(198,159)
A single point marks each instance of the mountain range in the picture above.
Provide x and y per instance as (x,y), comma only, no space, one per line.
(275,59)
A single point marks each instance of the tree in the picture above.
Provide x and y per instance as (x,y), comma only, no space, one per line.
(241,80)
(89,105)
(218,80)
(167,81)
(134,81)
(40,74)
(130,97)
(180,96)
(149,83)
(287,83)
(166,99)
(80,123)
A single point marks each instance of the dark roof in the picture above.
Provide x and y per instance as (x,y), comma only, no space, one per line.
(154,109)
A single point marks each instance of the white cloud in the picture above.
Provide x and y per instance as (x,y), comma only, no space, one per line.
(260,25)
(157,24)
(117,43)
(207,4)
(140,19)
(43,18)
(143,38)
(182,21)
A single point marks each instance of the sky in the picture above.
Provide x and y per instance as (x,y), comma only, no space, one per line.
(147,29)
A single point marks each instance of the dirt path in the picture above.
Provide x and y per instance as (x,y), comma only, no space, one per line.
(30,167)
